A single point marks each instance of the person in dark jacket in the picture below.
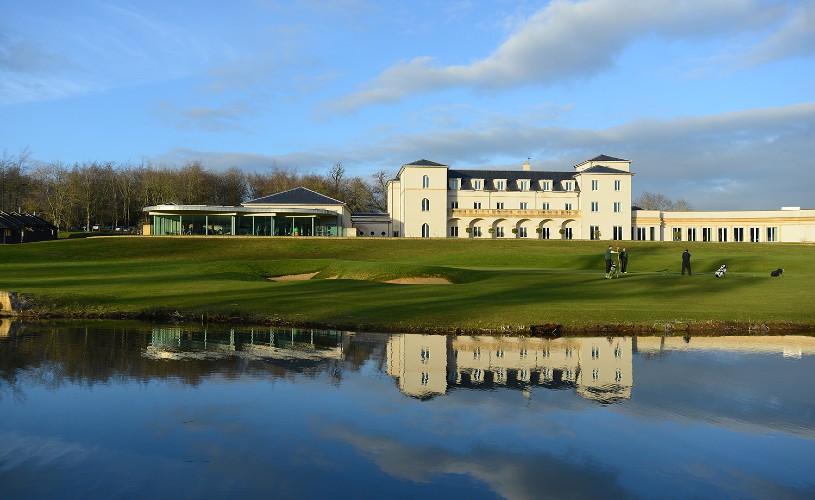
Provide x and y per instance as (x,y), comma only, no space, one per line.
(686,262)
(623,260)
(609,251)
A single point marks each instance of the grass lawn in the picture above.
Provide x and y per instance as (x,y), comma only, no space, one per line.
(497,284)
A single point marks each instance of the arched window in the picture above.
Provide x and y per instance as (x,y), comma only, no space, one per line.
(425,182)
(425,205)
(425,231)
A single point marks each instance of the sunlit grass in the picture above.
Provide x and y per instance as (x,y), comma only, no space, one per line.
(498,284)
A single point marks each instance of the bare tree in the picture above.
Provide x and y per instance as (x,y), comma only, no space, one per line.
(380,191)
(54,195)
(14,183)
(658,201)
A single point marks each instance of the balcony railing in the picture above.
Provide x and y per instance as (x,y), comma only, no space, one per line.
(508,212)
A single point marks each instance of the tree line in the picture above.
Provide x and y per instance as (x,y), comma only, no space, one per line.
(113,194)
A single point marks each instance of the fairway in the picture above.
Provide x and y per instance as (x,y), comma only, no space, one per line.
(495,285)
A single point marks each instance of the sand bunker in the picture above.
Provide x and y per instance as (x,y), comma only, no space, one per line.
(420,281)
(293,277)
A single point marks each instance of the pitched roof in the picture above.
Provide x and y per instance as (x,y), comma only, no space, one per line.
(510,176)
(602,169)
(426,163)
(296,196)
(606,158)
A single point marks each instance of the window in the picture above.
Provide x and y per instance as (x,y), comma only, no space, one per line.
(691,234)
(545,205)
(595,374)
(425,205)
(425,231)
(641,233)
(595,185)
(499,232)
(477,205)
(676,234)
(454,231)
(755,234)
(618,207)
(772,234)
(499,185)
(425,378)
(567,233)
(522,232)
(523,185)
(425,182)
(568,206)
(499,205)
(453,204)
(545,233)
(618,232)
(707,234)
(547,185)
(617,185)
(595,206)
(524,205)
(477,184)
(568,352)
(594,232)
(722,234)
(476,231)
(454,184)
(738,234)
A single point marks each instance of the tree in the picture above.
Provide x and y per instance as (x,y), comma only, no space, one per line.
(53,194)
(658,201)
(15,185)
(380,191)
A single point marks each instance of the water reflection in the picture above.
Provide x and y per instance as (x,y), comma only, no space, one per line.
(118,409)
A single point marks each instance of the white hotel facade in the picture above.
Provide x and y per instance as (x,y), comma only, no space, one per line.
(431,200)
(594,201)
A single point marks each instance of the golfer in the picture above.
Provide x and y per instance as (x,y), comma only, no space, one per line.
(609,251)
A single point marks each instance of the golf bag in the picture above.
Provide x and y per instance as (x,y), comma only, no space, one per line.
(614,272)
(721,271)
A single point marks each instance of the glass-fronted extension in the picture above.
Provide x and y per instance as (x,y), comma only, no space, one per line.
(296,212)
(245,225)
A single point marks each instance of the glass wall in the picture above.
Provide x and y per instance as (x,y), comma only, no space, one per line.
(246,225)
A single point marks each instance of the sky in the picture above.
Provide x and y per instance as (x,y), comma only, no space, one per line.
(712,100)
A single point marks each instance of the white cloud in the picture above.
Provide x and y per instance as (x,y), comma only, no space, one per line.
(566,41)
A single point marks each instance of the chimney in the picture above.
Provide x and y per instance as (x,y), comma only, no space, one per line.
(527,166)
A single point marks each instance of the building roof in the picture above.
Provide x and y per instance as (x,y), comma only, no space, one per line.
(510,176)
(296,196)
(16,220)
(426,163)
(606,158)
(602,169)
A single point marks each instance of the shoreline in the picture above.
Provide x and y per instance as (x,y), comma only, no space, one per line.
(553,329)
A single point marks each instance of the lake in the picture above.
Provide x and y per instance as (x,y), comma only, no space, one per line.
(133,410)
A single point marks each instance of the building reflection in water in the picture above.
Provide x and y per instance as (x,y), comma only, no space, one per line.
(597,368)
(426,366)
(304,344)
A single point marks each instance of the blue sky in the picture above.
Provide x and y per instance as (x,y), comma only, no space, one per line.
(712,100)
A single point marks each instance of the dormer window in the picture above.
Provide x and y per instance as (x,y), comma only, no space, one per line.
(499,184)
(477,184)
(567,185)
(546,185)
(523,185)
(454,184)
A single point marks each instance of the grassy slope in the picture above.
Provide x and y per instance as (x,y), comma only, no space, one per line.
(498,283)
